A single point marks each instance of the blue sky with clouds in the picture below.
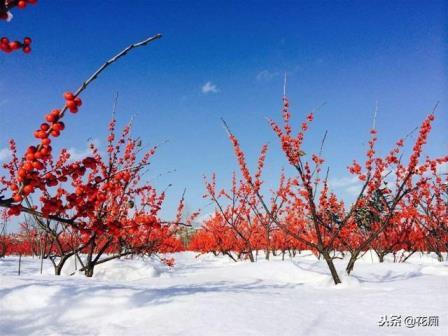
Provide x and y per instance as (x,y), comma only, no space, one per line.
(227,59)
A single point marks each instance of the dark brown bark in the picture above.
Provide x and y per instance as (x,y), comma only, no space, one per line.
(330,264)
(20,263)
(2,249)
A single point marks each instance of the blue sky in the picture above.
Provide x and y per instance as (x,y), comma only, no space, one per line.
(347,54)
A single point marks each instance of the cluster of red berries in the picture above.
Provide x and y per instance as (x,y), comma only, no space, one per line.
(35,156)
(71,102)
(5,44)
(425,129)
(9,46)
(9,4)
(53,126)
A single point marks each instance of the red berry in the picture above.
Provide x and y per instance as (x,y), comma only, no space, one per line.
(45,151)
(38,165)
(59,126)
(69,96)
(26,49)
(41,134)
(21,4)
(28,165)
(70,104)
(28,189)
(46,141)
(78,101)
(56,112)
(22,173)
(74,110)
(31,149)
(14,45)
(44,127)
(55,133)
(14,211)
(27,41)
(17,198)
(51,118)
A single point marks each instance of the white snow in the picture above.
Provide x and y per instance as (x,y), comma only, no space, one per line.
(210,295)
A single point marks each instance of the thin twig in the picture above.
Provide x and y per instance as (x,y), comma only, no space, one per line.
(226,127)
(95,75)
(114,107)
(284,86)
(374,115)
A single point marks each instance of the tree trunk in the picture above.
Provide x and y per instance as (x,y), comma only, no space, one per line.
(267,253)
(351,262)
(20,262)
(58,267)
(381,256)
(230,256)
(268,245)
(439,256)
(251,256)
(41,263)
(408,256)
(2,250)
(333,271)
(89,271)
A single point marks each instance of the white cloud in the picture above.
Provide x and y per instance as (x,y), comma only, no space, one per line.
(442,168)
(78,154)
(350,186)
(209,87)
(343,182)
(353,190)
(266,75)
(5,154)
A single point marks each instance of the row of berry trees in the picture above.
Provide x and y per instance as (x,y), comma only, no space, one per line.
(402,204)
(100,208)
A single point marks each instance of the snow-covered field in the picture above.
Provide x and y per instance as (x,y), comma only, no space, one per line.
(214,296)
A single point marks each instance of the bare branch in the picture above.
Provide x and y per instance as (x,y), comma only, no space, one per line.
(226,127)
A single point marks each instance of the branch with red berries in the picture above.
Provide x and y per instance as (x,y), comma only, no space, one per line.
(9,46)
(6,45)
(30,168)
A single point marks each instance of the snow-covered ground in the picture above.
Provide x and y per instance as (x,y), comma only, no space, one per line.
(214,296)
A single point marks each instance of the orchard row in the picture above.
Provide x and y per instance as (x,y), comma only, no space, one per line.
(100,207)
